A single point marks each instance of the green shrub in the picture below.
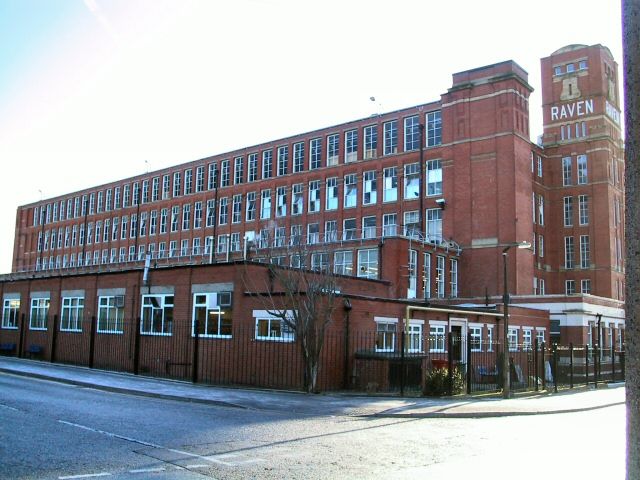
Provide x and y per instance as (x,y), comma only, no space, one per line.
(437,382)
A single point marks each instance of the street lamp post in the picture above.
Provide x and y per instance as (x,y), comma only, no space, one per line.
(506,370)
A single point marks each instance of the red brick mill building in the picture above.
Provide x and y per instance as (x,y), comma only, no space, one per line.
(419,206)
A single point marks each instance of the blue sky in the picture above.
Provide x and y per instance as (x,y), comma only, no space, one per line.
(93,91)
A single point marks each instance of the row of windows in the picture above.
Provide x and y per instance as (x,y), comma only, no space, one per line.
(369,227)
(576,130)
(569,68)
(211,314)
(186,182)
(386,339)
(570,286)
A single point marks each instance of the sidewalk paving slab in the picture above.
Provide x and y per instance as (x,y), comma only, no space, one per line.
(328,404)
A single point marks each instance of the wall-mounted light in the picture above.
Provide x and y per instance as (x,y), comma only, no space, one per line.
(441,203)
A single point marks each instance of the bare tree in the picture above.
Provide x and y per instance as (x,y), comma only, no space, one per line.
(303,298)
(631,53)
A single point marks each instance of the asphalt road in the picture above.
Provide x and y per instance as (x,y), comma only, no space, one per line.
(57,431)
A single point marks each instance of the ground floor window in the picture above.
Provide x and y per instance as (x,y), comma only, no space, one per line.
(72,312)
(157,315)
(212,311)
(110,314)
(476,338)
(415,338)
(385,336)
(274,329)
(513,339)
(39,313)
(436,338)
(10,312)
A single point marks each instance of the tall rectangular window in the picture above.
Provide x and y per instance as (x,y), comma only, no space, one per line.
(199,179)
(176,185)
(582,169)
(569,287)
(211,213)
(281,202)
(411,181)
(411,133)
(390,145)
(188,181)
(250,213)
(10,313)
(224,174)
(413,274)
(343,263)
(568,252)
(567,173)
(252,161)
(333,149)
(369,188)
(585,261)
(212,176)
(540,210)
(368,263)
(186,216)
(390,193)
(283,160)
(267,164)
(155,189)
(434,128)
(389,224)
(298,157)
(331,231)
(175,215)
(583,207)
(163,220)
(453,273)
(314,196)
(351,146)
(117,199)
(426,276)
(238,170)
(412,224)
(331,199)
(350,191)
(166,186)
(236,214)
(212,314)
(223,211)
(297,200)
(568,211)
(434,177)
(197,215)
(369,227)
(39,313)
(370,142)
(539,166)
(440,279)
(265,204)
(145,192)
(434,225)
(315,153)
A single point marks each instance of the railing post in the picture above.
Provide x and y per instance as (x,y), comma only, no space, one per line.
(402,344)
(586,364)
(571,365)
(544,370)
(450,364)
(194,362)
(596,352)
(555,367)
(535,364)
(21,337)
(136,348)
(469,365)
(54,337)
(613,364)
(92,340)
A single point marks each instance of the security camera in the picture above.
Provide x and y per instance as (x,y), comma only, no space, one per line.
(440,202)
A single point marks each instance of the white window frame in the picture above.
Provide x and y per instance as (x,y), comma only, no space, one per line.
(71,315)
(163,308)
(282,333)
(111,314)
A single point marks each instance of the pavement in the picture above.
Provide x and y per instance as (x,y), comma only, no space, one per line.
(328,404)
